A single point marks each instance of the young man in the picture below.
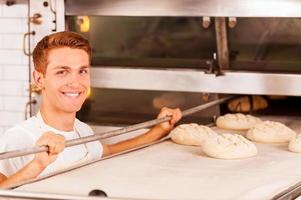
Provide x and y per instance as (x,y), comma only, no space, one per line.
(62,74)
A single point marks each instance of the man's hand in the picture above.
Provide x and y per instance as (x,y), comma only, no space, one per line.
(56,144)
(157,132)
(176,115)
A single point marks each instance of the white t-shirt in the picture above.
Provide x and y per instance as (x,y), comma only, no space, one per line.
(26,134)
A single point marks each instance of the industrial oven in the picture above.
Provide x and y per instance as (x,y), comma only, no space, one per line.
(180,53)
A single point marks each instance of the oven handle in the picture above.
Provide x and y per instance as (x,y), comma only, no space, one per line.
(25,48)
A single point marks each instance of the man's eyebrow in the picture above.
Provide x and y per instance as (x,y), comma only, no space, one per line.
(61,67)
(67,67)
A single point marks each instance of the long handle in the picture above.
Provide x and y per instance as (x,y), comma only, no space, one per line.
(82,140)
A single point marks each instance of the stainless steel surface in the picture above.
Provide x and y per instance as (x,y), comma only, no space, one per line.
(167,167)
(84,164)
(196,81)
(4,194)
(47,24)
(289,194)
(96,137)
(264,56)
(59,8)
(234,8)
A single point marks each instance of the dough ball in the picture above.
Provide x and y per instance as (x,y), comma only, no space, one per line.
(236,121)
(270,132)
(229,146)
(191,134)
(295,144)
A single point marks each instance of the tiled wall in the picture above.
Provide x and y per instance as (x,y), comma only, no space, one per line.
(13,64)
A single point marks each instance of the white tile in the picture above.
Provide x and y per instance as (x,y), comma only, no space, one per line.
(12,57)
(11,72)
(1,40)
(1,5)
(25,90)
(2,130)
(14,103)
(25,59)
(11,118)
(17,10)
(11,88)
(1,103)
(12,41)
(1,72)
(13,25)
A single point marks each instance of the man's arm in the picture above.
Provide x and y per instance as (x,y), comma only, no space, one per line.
(56,144)
(152,135)
(31,170)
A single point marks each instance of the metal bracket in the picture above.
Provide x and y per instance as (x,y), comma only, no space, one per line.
(222,44)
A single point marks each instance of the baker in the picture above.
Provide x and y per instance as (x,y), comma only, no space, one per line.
(62,74)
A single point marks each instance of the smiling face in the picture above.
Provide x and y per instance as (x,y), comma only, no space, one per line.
(66,81)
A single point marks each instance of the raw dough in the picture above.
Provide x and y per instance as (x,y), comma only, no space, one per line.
(236,121)
(191,134)
(295,144)
(270,132)
(229,146)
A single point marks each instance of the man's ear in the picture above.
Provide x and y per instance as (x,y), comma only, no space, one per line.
(38,79)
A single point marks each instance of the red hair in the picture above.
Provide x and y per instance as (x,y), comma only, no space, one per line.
(56,40)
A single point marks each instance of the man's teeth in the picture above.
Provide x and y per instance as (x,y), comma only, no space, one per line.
(69,94)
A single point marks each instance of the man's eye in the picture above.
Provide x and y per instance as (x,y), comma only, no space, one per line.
(63,72)
(83,71)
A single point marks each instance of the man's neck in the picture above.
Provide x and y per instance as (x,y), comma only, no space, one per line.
(59,120)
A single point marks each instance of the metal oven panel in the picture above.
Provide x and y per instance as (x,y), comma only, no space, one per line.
(256,56)
(235,8)
(197,81)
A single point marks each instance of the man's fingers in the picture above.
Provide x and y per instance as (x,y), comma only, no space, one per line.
(52,146)
(179,114)
(175,114)
(59,147)
(56,143)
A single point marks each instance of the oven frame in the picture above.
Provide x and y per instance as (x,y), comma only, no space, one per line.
(195,81)
(232,82)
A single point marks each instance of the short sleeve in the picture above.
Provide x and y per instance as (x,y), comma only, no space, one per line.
(5,167)
(14,139)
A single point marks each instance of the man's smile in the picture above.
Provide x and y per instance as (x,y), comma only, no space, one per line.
(72,94)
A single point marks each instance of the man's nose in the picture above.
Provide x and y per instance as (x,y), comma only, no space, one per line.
(74,80)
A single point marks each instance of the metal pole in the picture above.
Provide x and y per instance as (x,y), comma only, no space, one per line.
(82,140)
